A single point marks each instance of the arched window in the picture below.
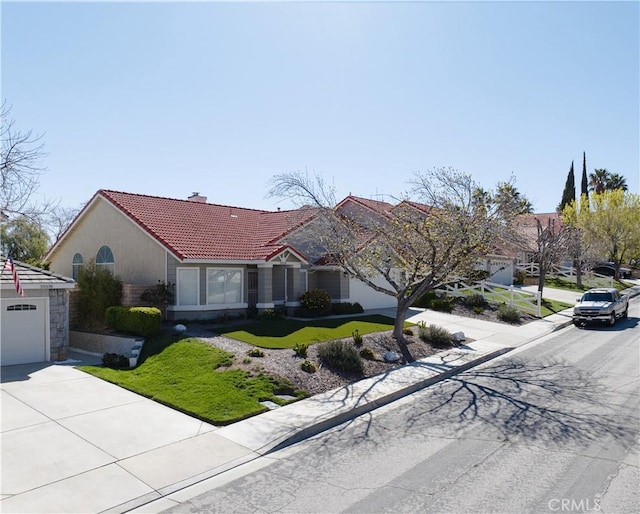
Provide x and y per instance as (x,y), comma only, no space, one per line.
(76,266)
(104,259)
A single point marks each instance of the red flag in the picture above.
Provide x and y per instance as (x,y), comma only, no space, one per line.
(11,268)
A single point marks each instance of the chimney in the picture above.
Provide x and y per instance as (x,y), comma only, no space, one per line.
(195,197)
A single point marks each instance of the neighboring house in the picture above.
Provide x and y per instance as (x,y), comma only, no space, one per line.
(222,259)
(34,327)
(324,274)
(528,229)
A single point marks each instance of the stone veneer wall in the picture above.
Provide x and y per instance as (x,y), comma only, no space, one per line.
(58,323)
(131,294)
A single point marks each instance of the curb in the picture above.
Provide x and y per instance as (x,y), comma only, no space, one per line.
(338,419)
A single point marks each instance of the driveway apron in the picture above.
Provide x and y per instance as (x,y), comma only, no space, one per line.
(73,443)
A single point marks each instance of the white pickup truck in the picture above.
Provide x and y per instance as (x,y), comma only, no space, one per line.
(601,304)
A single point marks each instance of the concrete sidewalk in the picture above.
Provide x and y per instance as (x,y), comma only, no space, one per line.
(73,443)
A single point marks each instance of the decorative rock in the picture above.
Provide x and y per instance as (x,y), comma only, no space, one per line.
(286,397)
(180,328)
(270,405)
(458,337)
(391,357)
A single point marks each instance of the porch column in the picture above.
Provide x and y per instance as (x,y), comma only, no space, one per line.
(265,286)
(295,287)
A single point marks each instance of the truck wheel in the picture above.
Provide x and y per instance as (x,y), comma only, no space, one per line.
(612,319)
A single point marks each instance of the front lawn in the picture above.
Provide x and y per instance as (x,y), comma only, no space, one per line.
(548,307)
(188,375)
(286,333)
(568,285)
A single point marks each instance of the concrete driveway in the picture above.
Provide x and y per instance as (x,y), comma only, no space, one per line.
(73,443)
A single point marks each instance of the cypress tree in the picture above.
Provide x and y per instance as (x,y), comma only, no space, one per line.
(569,193)
(584,190)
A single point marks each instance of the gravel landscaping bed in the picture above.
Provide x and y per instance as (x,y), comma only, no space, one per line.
(285,363)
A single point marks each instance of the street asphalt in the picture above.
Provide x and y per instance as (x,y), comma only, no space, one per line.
(71,442)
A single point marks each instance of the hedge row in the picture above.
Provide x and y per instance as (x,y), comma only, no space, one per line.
(141,321)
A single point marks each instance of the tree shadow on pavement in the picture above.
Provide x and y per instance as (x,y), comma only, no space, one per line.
(550,401)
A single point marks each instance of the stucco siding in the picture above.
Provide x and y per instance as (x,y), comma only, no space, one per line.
(370,298)
(138,258)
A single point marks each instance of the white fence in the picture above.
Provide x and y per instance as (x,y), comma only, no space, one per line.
(532,269)
(512,296)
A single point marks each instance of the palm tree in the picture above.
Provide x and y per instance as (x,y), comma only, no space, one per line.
(598,180)
(602,180)
(508,198)
(616,181)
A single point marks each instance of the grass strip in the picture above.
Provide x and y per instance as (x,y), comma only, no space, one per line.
(569,285)
(286,333)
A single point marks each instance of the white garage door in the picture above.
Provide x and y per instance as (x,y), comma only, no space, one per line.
(23,330)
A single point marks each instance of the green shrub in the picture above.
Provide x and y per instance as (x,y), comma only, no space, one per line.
(141,321)
(357,338)
(478,310)
(442,304)
(341,355)
(431,301)
(519,277)
(301,349)
(434,335)
(98,289)
(272,314)
(425,300)
(508,314)
(255,352)
(114,316)
(367,353)
(160,296)
(346,308)
(246,360)
(309,366)
(316,302)
(115,361)
(475,300)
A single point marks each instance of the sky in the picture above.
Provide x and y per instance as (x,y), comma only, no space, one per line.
(168,99)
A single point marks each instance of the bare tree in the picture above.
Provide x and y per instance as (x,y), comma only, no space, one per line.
(553,241)
(20,169)
(416,246)
(59,218)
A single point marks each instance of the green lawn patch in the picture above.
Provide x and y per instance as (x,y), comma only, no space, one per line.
(568,285)
(187,374)
(286,333)
(548,307)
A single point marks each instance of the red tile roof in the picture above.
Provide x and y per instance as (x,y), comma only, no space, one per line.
(203,231)
(374,205)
